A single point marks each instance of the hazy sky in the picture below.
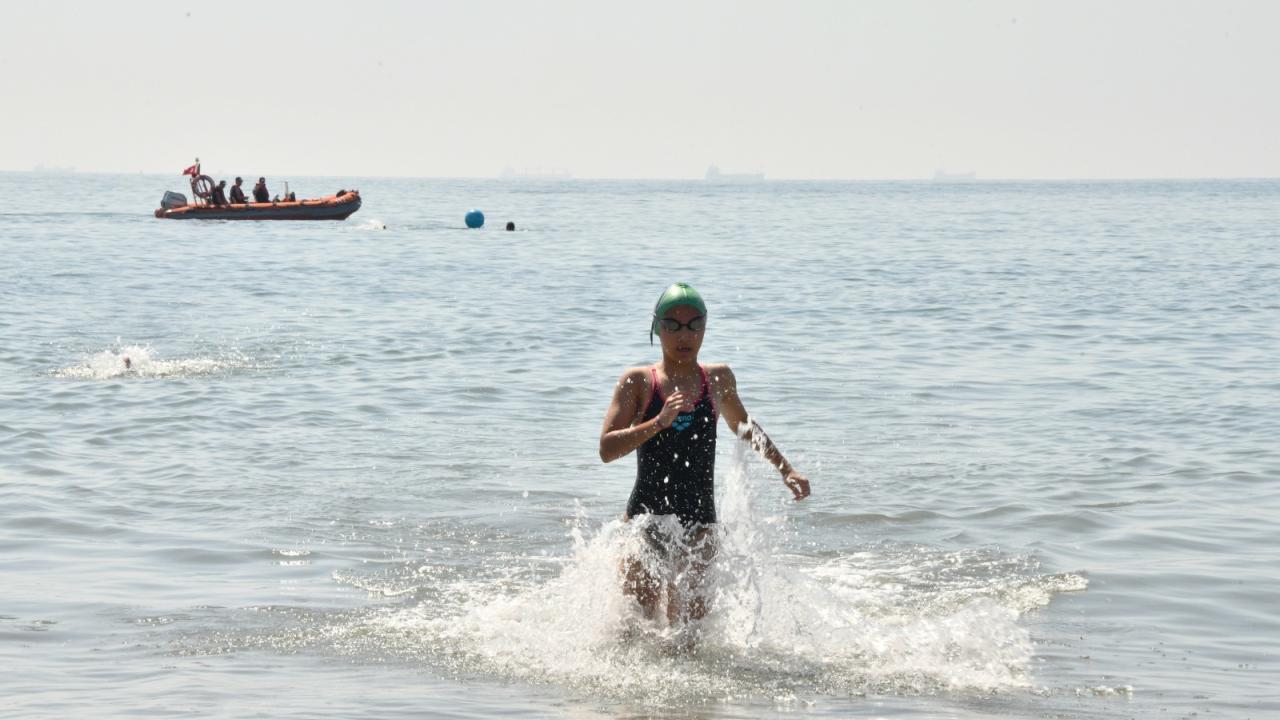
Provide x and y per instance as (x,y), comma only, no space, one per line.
(794,89)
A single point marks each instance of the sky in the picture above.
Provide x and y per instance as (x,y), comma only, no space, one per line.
(801,89)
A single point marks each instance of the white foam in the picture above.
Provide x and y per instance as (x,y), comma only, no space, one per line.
(135,361)
(884,620)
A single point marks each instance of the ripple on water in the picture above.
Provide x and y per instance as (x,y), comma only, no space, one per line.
(980,379)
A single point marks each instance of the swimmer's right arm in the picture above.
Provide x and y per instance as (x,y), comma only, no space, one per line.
(621,433)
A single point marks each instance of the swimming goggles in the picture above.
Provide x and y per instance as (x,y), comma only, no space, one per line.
(673,325)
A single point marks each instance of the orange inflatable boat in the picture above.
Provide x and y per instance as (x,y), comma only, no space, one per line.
(333,207)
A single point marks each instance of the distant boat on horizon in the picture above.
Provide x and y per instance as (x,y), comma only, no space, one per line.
(944,176)
(714,175)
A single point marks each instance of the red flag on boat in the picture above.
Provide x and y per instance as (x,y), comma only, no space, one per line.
(193,170)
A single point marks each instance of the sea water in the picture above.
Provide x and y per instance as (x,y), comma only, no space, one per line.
(350,468)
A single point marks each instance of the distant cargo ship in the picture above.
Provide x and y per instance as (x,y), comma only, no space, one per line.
(714,175)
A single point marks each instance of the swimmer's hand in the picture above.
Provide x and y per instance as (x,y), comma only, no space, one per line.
(670,408)
(797,484)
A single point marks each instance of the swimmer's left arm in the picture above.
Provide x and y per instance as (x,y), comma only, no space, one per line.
(725,387)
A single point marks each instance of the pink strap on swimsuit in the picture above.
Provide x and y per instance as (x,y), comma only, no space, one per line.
(704,391)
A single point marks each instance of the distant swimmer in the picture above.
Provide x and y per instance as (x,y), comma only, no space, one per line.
(128,364)
(510,225)
(668,413)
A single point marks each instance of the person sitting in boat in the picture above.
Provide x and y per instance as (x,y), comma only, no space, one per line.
(260,193)
(237,194)
(219,195)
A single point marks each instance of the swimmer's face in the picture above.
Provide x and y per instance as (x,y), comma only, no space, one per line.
(681,330)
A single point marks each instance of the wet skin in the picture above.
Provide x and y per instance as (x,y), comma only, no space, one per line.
(680,382)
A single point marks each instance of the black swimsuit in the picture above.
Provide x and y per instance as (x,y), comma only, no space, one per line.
(676,468)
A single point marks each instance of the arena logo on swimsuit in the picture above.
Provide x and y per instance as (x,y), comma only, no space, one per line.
(682,422)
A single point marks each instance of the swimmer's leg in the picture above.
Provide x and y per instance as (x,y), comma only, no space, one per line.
(642,585)
(691,593)
(703,552)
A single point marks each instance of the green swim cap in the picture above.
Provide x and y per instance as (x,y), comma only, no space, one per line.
(675,296)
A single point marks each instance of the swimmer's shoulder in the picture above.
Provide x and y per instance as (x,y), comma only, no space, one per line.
(723,382)
(639,373)
(719,373)
(635,380)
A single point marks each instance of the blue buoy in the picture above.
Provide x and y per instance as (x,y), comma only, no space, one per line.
(475,219)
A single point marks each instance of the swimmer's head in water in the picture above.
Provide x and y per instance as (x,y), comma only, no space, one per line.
(675,296)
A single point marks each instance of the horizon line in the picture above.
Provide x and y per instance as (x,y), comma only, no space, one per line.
(54,171)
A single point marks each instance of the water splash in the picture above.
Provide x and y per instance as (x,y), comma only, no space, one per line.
(140,361)
(888,619)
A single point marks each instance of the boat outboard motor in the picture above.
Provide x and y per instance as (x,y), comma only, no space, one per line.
(173,200)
